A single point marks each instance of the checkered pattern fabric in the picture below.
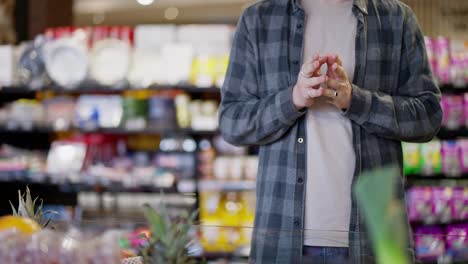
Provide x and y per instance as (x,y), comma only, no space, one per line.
(394,99)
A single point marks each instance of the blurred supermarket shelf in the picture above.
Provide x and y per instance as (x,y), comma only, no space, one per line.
(438,223)
(446,134)
(23,90)
(114,131)
(451,89)
(114,187)
(436,177)
(217,185)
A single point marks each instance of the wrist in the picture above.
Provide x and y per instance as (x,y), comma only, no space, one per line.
(296,99)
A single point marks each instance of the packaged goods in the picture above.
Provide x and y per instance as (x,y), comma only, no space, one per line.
(451,159)
(429,243)
(431,158)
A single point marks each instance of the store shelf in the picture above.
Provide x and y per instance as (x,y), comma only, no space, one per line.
(191,89)
(436,177)
(425,223)
(445,134)
(216,185)
(16,90)
(115,131)
(450,89)
(68,187)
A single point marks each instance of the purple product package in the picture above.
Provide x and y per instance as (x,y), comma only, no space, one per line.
(465,108)
(451,159)
(457,242)
(457,70)
(430,49)
(429,243)
(460,203)
(463,143)
(420,204)
(442,46)
(453,112)
(442,199)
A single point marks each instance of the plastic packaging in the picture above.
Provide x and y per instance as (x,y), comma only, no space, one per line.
(442,200)
(451,159)
(453,108)
(420,204)
(457,242)
(431,158)
(412,158)
(443,59)
(429,243)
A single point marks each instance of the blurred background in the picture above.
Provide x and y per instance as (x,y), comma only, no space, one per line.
(107,104)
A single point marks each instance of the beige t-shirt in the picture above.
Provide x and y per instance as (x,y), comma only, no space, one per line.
(331,28)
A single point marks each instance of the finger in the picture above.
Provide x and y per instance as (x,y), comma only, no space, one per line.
(316,81)
(330,93)
(334,58)
(339,71)
(315,57)
(336,84)
(314,93)
(311,68)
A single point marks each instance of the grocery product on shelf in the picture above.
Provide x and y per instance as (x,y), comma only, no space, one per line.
(431,158)
(429,243)
(449,66)
(420,204)
(452,106)
(457,242)
(30,68)
(98,111)
(23,114)
(110,61)
(66,61)
(7,57)
(437,204)
(451,159)
(412,158)
(60,113)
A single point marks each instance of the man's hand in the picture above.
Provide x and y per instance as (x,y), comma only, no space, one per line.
(339,86)
(308,83)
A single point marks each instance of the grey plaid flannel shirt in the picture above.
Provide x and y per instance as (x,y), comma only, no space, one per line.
(394,99)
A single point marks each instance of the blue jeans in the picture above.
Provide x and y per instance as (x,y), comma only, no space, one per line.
(325,255)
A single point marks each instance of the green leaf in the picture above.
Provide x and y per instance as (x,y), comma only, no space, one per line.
(13,209)
(155,221)
(376,193)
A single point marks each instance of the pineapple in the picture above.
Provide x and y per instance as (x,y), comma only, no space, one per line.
(27,208)
(169,239)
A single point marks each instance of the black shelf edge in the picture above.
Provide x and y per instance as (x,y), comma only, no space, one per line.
(435,177)
(191,89)
(451,89)
(116,131)
(452,222)
(97,188)
(446,134)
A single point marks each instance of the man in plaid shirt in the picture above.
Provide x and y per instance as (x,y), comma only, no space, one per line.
(272,97)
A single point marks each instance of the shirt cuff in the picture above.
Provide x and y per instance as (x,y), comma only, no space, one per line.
(288,114)
(360,106)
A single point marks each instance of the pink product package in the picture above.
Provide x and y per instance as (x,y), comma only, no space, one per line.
(451,159)
(453,109)
(465,108)
(457,242)
(430,49)
(460,203)
(442,47)
(463,155)
(429,243)
(420,204)
(442,199)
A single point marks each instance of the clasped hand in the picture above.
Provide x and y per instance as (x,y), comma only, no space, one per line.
(311,84)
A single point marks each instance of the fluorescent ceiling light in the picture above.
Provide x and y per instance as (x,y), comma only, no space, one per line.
(145,2)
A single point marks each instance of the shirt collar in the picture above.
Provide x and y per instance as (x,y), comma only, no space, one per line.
(360,4)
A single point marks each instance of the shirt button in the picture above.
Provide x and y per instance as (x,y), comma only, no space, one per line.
(300,180)
(299,26)
(296,62)
(300,140)
(297,223)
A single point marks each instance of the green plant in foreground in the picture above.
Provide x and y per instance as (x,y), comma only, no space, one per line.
(27,208)
(169,238)
(384,213)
